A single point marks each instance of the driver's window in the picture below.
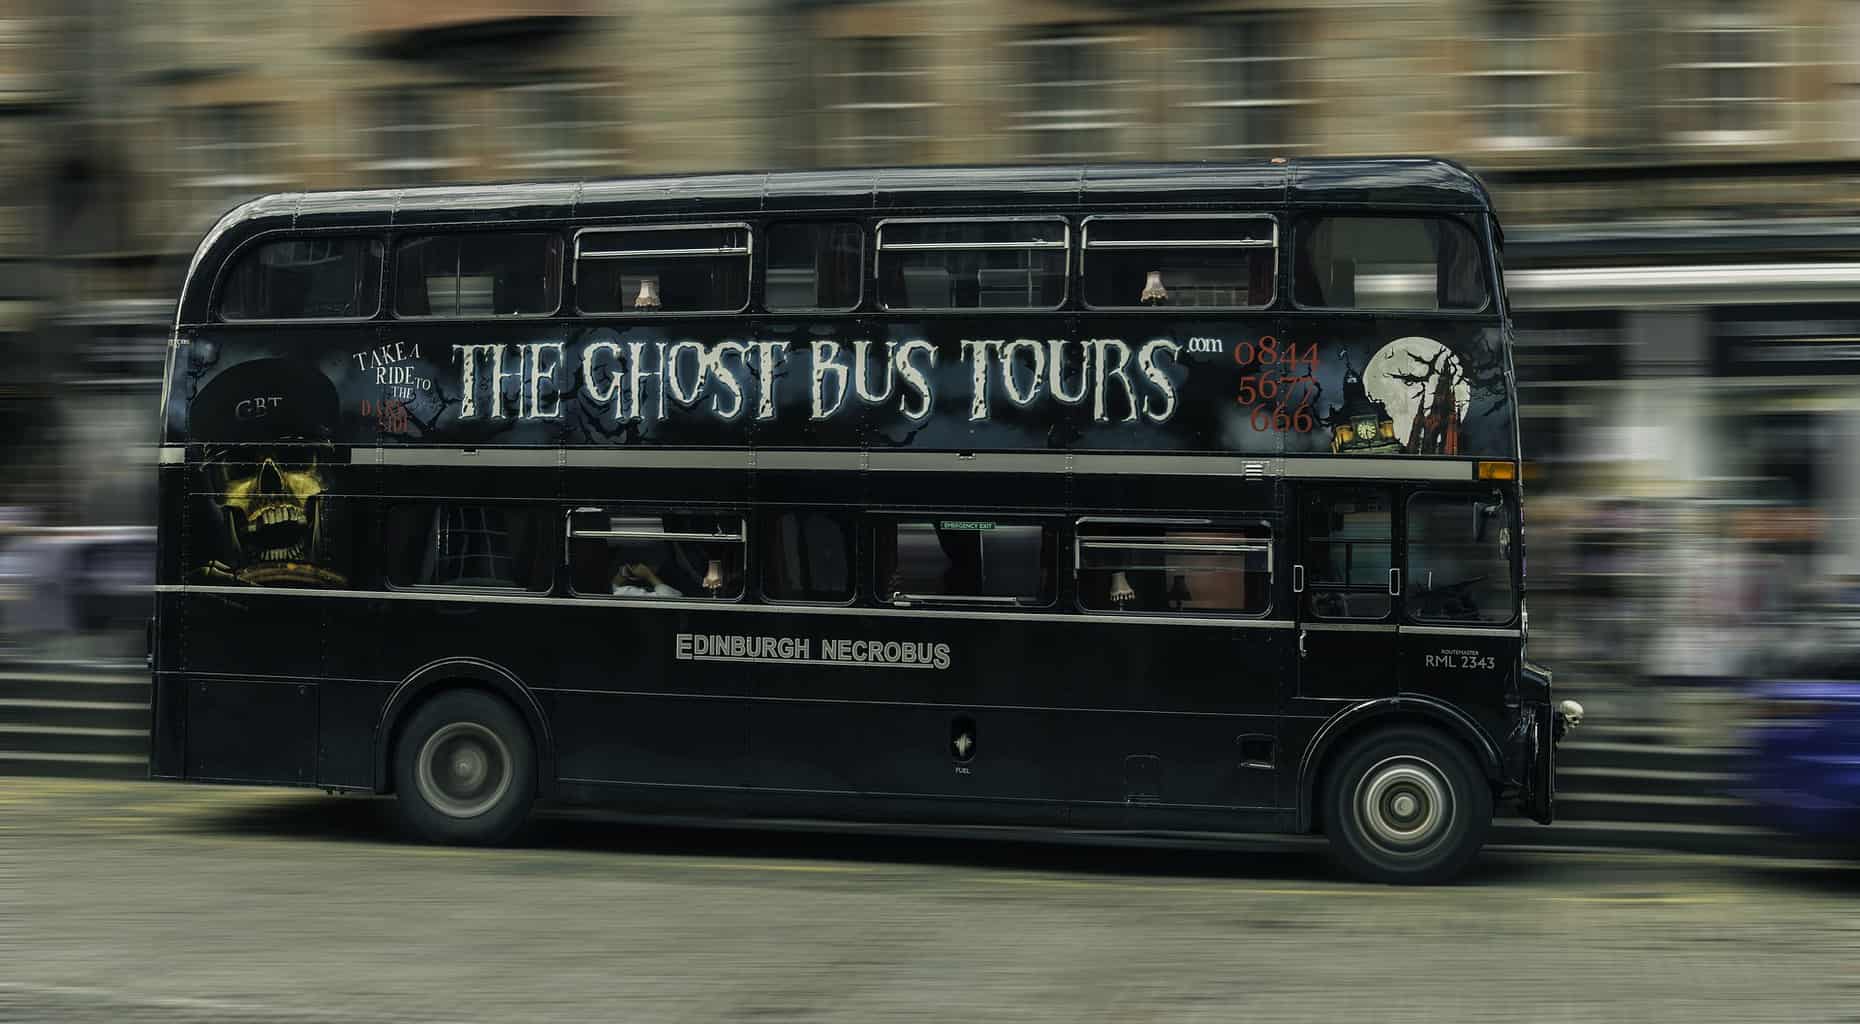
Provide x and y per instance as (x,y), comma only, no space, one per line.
(1459,559)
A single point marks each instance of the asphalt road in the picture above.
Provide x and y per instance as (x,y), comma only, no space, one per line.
(139,902)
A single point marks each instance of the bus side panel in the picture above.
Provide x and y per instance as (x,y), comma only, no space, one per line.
(264,526)
(625,709)
(166,703)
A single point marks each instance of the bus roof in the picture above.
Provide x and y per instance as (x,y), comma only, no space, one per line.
(1394,181)
(1414,182)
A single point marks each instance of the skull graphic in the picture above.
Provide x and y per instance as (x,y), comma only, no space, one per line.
(273,522)
(273,508)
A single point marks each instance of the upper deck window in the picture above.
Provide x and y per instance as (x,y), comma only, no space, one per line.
(973,264)
(1391,263)
(500,274)
(698,268)
(324,278)
(1180,262)
(815,266)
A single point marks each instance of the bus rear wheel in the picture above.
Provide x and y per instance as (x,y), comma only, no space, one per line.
(1406,805)
(465,769)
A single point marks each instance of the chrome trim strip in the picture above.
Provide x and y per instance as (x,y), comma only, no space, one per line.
(394,455)
(1177,465)
(1462,631)
(641,254)
(749,238)
(980,462)
(659,458)
(793,460)
(1205,243)
(454,596)
(963,246)
(171,454)
(1406,467)
(731,538)
(1158,464)
(1349,627)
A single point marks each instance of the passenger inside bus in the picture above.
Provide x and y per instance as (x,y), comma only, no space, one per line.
(630,555)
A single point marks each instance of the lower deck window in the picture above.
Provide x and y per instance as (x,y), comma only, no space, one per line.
(1149,567)
(666,555)
(807,556)
(459,544)
(965,561)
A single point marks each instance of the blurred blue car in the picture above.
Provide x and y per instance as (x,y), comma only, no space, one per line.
(1802,771)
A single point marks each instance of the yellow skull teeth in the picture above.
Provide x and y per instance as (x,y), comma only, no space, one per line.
(272,515)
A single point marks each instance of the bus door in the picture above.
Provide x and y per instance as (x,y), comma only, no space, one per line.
(1348,583)
(1459,634)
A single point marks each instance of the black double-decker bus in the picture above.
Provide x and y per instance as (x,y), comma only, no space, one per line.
(1136,497)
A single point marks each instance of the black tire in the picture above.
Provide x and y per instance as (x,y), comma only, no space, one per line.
(1406,805)
(465,769)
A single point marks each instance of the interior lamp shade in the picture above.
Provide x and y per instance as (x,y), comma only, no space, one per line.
(1122,592)
(1153,291)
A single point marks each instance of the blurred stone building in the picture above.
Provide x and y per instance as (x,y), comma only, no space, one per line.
(128,126)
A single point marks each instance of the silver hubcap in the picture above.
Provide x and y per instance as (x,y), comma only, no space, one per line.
(1405,805)
(464,770)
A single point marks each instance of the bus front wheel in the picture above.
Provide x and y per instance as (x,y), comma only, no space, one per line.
(1406,805)
(465,769)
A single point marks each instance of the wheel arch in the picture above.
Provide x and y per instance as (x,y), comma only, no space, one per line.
(1353,721)
(460,673)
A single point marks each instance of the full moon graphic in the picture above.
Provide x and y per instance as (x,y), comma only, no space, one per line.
(1405,373)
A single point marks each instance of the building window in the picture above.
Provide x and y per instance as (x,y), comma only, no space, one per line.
(980,264)
(1069,96)
(446,544)
(960,560)
(874,107)
(409,137)
(664,555)
(1162,567)
(227,149)
(703,268)
(501,274)
(1847,73)
(1248,85)
(1516,80)
(1727,79)
(560,129)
